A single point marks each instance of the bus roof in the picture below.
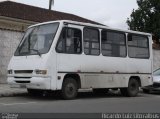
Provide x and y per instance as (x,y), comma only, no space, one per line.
(92,25)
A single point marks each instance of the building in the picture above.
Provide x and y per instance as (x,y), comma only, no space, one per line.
(14,19)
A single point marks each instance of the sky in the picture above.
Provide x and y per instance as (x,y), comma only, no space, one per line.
(112,13)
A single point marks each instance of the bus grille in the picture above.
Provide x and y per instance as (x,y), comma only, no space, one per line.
(22,81)
(23,71)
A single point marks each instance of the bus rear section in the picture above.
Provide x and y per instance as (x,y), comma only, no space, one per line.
(84,56)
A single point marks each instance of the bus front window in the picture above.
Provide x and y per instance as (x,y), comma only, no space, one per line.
(37,40)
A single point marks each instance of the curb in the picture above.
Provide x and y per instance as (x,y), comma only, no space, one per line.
(12,94)
(7,91)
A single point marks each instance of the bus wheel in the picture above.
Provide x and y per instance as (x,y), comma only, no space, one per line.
(100,91)
(69,89)
(132,89)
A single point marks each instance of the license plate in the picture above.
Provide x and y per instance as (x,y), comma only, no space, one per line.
(22,86)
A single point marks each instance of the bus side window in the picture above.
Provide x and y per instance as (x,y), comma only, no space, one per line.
(91,41)
(138,46)
(113,43)
(70,41)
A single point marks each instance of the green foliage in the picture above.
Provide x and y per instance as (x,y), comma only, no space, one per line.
(146,18)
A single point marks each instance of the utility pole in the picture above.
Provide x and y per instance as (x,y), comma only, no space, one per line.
(51,3)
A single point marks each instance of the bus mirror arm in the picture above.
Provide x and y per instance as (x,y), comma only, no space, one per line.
(36,51)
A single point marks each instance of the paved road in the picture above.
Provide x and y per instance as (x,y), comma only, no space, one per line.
(85,103)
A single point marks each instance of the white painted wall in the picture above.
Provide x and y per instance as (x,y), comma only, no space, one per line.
(156,59)
(8,43)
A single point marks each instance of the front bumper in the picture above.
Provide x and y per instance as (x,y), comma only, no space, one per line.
(43,83)
(154,87)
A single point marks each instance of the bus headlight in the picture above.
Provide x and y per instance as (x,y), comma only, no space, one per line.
(44,72)
(10,71)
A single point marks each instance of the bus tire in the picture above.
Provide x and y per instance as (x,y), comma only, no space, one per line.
(69,89)
(132,89)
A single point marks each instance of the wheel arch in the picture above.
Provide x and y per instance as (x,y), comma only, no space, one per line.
(76,77)
(136,78)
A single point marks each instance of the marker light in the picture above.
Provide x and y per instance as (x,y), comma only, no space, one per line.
(44,72)
(10,71)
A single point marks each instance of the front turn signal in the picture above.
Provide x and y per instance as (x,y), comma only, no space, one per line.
(44,72)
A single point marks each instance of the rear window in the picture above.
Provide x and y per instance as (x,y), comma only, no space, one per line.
(138,46)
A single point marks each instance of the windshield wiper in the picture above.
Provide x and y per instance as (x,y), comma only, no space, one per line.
(36,51)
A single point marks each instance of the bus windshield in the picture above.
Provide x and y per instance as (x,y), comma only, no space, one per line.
(37,40)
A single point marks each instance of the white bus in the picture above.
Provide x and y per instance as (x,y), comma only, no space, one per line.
(67,55)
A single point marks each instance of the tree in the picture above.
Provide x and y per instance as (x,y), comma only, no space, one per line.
(146,18)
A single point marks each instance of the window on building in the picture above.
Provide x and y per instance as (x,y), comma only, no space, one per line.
(113,43)
(91,41)
(138,46)
(70,41)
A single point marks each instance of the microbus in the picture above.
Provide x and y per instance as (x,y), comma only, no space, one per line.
(66,56)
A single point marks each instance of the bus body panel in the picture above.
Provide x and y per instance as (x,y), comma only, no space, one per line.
(103,72)
(24,70)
